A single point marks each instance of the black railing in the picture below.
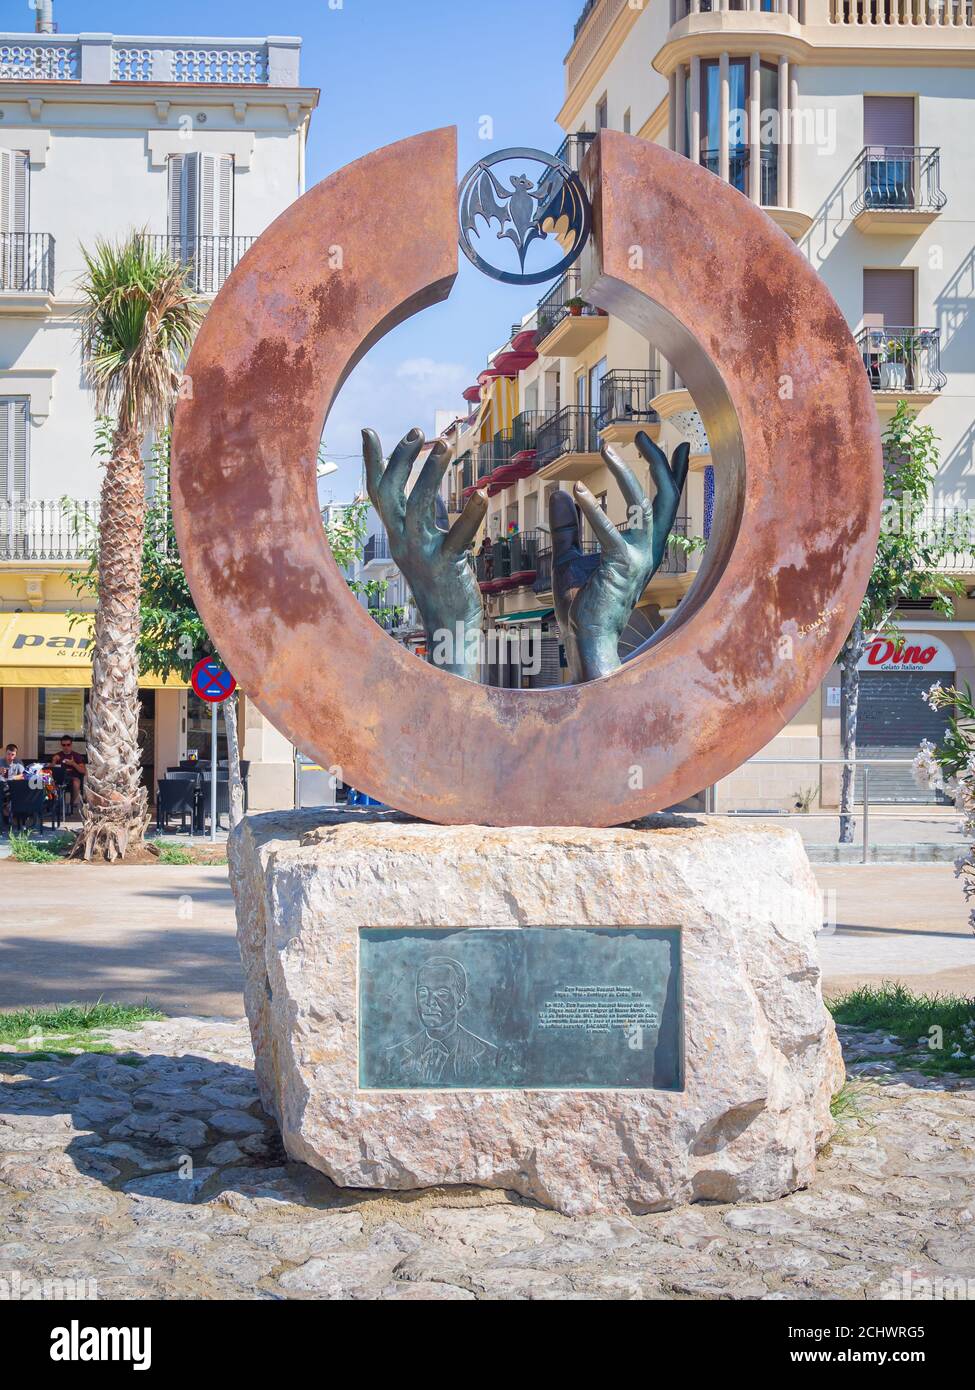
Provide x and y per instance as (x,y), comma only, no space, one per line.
(624,398)
(902,359)
(675,556)
(509,556)
(484,459)
(573,148)
(375,548)
(543,565)
(899,178)
(210,258)
(555,305)
(524,430)
(571,431)
(27,261)
(501,448)
(35,530)
(739,164)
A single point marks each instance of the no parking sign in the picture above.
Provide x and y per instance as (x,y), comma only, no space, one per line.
(211,681)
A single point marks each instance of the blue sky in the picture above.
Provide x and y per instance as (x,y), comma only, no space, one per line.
(386,69)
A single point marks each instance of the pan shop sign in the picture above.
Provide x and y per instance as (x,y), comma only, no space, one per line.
(61,644)
(912,651)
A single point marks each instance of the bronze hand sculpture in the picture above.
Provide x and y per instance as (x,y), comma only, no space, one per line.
(432,559)
(595,594)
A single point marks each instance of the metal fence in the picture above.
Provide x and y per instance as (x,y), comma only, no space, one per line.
(901,178)
(899,358)
(864,764)
(210,258)
(27,261)
(38,530)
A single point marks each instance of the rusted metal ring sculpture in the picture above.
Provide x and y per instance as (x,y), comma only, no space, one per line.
(773,369)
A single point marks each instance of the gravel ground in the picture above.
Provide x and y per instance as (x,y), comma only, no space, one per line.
(153,1173)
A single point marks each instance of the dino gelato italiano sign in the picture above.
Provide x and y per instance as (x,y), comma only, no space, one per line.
(914,651)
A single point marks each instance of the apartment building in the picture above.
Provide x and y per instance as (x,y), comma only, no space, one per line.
(849,122)
(200,143)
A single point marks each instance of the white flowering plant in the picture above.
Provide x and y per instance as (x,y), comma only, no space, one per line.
(949,767)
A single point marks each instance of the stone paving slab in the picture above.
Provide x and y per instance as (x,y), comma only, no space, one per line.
(154,1173)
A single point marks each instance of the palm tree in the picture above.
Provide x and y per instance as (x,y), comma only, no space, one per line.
(137,322)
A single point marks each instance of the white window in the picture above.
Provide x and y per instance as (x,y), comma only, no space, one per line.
(13,219)
(201,215)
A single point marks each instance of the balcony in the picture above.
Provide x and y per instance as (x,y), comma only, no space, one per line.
(567,444)
(210,258)
(574,148)
(566,324)
(511,562)
(903,363)
(26,272)
(104,58)
(898,189)
(37,531)
(375,552)
(624,406)
(739,172)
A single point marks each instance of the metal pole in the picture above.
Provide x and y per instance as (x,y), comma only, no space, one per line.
(213,772)
(866,812)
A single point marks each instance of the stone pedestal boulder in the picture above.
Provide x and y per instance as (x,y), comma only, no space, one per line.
(760,1060)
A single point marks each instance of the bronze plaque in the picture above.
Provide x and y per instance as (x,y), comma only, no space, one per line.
(489,1008)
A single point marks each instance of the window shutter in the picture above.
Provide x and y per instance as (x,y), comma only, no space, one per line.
(888,121)
(13,191)
(14,413)
(216,218)
(13,219)
(888,298)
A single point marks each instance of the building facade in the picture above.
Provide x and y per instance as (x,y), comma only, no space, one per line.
(848,121)
(199,143)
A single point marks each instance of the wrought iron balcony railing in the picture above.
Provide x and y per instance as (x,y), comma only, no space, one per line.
(573,148)
(375,548)
(512,557)
(571,431)
(466,466)
(902,359)
(556,304)
(624,398)
(543,565)
(524,431)
(739,165)
(27,262)
(210,258)
(899,178)
(40,530)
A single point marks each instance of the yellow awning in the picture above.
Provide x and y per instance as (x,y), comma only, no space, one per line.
(48,649)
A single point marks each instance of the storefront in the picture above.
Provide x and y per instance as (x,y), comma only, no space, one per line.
(893,715)
(45,685)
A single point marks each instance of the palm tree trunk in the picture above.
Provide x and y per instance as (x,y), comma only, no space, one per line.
(850,700)
(233,762)
(116,809)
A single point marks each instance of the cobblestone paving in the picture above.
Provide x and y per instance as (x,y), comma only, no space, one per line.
(95,1186)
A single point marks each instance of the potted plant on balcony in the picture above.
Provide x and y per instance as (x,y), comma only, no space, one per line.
(893,367)
(575,306)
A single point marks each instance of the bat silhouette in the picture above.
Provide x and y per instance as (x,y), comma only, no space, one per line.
(526,212)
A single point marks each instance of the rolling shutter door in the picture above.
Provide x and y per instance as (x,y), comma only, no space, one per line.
(892,721)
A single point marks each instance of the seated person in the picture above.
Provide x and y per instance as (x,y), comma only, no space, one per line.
(72,764)
(11,768)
